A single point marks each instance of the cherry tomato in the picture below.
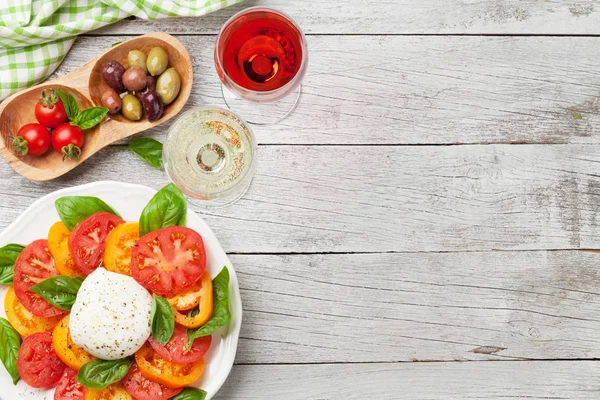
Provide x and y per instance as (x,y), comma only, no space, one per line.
(50,110)
(119,244)
(68,387)
(169,260)
(167,373)
(88,240)
(204,305)
(143,389)
(34,265)
(68,140)
(38,364)
(22,320)
(32,139)
(58,244)
(67,351)
(111,392)
(176,349)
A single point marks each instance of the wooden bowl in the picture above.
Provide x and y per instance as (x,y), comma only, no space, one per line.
(86,85)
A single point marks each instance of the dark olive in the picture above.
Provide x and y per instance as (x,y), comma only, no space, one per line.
(150,85)
(153,105)
(134,79)
(112,73)
(112,101)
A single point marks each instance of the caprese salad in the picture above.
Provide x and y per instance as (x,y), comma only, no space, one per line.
(108,309)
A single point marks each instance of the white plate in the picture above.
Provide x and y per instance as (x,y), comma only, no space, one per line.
(128,200)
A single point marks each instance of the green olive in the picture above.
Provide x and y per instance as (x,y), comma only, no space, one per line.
(168,85)
(157,61)
(137,58)
(132,108)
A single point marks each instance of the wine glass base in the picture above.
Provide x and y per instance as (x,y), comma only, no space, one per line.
(262,113)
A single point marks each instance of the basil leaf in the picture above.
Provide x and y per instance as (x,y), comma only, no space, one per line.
(189,393)
(60,291)
(577,116)
(74,209)
(163,320)
(166,208)
(116,44)
(221,314)
(98,374)
(90,117)
(149,150)
(8,256)
(70,104)
(10,343)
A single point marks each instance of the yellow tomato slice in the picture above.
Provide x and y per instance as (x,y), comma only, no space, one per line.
(205,304)
(172,375)
(119,243)
(22,320)
(112,392)
(188,299)
(67,351)
(58,244)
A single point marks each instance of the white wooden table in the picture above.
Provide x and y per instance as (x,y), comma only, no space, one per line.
(423,226)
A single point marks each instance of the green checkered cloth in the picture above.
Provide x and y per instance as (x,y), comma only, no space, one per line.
(35,35)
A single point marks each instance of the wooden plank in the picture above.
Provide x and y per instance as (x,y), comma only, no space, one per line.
(401,17)
(419,307)
(422,90)
(418,381)
(383,198)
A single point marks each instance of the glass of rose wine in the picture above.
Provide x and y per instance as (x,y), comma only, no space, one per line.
(261,57)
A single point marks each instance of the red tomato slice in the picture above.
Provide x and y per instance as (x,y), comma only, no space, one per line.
(38,364)
(34,265)
(176,349)
(168,260)
(143,389)
(88,240)
(68,388)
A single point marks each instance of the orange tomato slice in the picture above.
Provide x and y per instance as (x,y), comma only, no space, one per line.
(119,243)
(204,303)
(67,351)
(172,375)
(58,244)
(111,392)
(22,320)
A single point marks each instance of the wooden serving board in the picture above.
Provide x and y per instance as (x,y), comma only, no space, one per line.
(87,86)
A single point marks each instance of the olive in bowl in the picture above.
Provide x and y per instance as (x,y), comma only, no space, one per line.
(112,73)
(112,101)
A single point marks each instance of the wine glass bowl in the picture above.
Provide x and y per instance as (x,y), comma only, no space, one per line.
(261,56)
(210,154)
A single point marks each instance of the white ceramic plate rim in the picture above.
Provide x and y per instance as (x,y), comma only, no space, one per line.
(128,200)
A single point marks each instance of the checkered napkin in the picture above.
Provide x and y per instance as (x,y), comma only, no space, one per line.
(35,35)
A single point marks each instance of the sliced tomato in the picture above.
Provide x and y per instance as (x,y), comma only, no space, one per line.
(58,244)
(169,260)
(112,392)
(167,373)
(38,364)
(188,299)
(22,320)
(34,265)
(204,309)
(176,349)
(120,242)
(142,388)
(88,240)
(67,351)
(68,387)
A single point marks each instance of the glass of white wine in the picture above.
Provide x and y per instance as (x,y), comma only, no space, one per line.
(210,154)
